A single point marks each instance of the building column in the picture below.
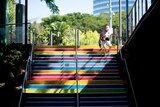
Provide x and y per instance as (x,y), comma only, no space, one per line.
(26,21)
(20,26)
(3,17)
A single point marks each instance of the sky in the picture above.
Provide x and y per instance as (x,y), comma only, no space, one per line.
(38,9)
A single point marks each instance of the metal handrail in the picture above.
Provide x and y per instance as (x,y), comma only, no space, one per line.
(27,69)
(31,53)
(119,49)
(24,80)
(135,14)
(129,77)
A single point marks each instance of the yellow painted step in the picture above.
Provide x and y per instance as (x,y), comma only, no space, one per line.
(66,91)
(82,47)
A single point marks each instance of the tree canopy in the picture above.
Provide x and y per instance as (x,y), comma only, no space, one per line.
(51,4)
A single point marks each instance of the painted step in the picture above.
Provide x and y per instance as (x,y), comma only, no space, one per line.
(55,75)
(74,61)
(113,65)
(43,76)
(46,86)
(69,58)
(111,71)
(80,82)
(49,100)
(69,86)
(70,52)
(91,55)
(74,65)
(79,78)
(84,91)
(72,47)
(73,68)
(104,100)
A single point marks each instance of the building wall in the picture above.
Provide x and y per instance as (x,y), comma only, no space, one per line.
(100,6)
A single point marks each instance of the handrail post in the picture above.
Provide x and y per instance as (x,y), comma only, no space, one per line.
(127,24)
(120,21)
(76,67)
(31,54)
(51,38)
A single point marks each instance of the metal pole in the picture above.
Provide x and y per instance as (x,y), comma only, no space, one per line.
(127,25)
(11,34)
(110,14)
(120,22)
(76,69)
(78,38)
(19,1)
(26,19)
(51,40)
(146,4)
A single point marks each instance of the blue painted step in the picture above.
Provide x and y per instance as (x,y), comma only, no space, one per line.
(49,100)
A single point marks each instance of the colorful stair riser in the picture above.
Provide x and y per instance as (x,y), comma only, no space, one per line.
(58,65)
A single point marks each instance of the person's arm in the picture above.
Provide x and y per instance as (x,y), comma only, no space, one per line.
(101,35)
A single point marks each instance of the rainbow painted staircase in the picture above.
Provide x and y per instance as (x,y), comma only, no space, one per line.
(53,82)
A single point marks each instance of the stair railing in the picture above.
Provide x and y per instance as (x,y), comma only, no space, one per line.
(123,60)
(24,79)
(31,54)
(139,8)
(129,78)
(76,58)
(28,69)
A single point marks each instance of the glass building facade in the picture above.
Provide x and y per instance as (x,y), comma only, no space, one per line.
(102,6)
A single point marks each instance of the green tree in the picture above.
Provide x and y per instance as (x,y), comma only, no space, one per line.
(38,27)
(89,38)
(11,5)
(60,32)
(116,23)
(52,6)
(88,22)
(84,22)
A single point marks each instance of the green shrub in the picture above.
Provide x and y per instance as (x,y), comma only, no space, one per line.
(12,61)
